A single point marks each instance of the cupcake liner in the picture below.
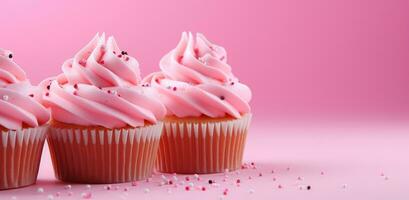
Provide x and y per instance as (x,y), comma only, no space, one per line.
(90,155)
(20,154)
(202,147)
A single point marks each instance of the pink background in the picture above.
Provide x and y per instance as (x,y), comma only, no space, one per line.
(346,61)
(319,57)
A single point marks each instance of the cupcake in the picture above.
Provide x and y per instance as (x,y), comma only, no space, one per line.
(104,129)
(208,112)
(23,124)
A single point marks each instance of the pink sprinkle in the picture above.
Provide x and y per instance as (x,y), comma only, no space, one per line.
(134,183)
(260,174)
(126,189)
(224,179)
(86,195)
(280,186)
(322,173)
(272,171)
(127,58)
(299,178)
(108,187)
(224,193)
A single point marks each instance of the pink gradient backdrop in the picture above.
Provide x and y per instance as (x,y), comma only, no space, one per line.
(300,57)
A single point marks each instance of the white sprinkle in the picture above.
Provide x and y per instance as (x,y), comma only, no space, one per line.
(40,190)
(251,191)
(175,177)
(50,197)
(196,176)
(88,186)
(86,195)
(68,187)
(5,97)
(147,190)
(163,177)
(191,184)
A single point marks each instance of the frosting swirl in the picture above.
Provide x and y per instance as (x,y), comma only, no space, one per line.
(91,93)
(196,80)
(19,107)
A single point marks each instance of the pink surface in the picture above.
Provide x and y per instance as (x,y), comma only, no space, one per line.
(299,57)
(358,161)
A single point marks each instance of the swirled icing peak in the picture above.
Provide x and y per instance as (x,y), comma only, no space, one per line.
(103,64)
(19,107)
(99,87)
(196,80)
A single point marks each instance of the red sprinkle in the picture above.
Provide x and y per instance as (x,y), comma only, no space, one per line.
(47,94)
(203,188)
(187,178)
(127,58)
(31,95)
(238,181)
(187,188)
(76,86)
(120,56)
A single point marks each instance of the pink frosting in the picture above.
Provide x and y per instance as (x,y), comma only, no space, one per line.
(196,80)
(18,98)
(95,93)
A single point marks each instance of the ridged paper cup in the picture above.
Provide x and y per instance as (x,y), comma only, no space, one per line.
(20,154)
(99,155)
(202,145)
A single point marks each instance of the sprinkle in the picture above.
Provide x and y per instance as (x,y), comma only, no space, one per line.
(102,62)
(120,56)
(272,171)
(108,187)
(187,178)
(344,186)
(226,170)
(31,95)
(163,177)
(86,195)
(250,177)
(211,181)
(75,93)
(134,183)
(203,188)
(238,181)
(76,86)
(11,55)
(309,187)
(174,88)
(260,174)
(222,97)
(109,91)
(299,178)
(322,173)
(196,176)
(58,194)
(114,52)
(40,190)
(126,189)
(146,190)
(50,197)
(225,192)
(48,87)
(280,186)
(231,83)
(170,182)
(187,188)
(127,58)
(88,186)
(5,97)
(47,94)
(68,187)
(191,184)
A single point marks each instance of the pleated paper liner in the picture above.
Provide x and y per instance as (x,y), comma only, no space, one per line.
(202,146)
(20,154)
(98,155)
